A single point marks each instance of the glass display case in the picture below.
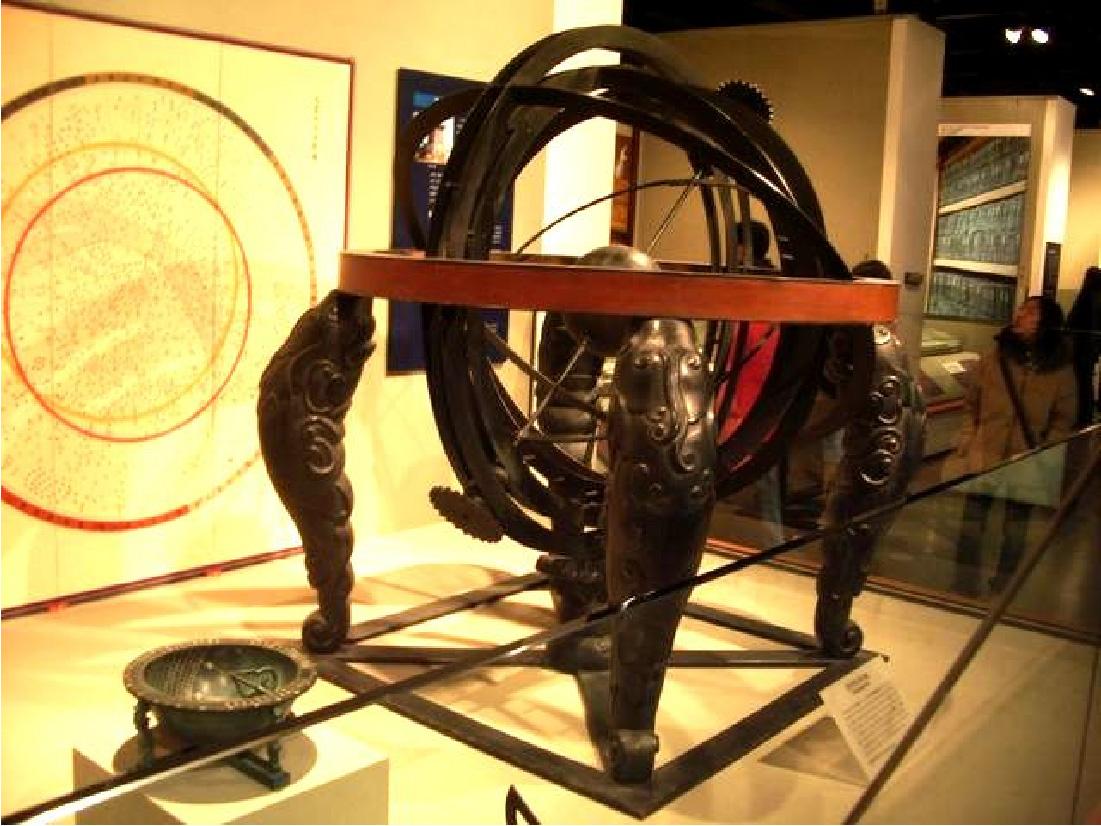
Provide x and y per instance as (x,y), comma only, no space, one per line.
(458,704)
(919,557)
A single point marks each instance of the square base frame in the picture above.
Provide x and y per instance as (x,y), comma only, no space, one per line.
(670,780)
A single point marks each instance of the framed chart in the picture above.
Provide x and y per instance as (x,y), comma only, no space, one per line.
(171,205)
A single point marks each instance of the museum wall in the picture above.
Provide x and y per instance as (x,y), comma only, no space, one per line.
(1082,246)
(1050,123)
(910,149)
(393,453)
(855,99)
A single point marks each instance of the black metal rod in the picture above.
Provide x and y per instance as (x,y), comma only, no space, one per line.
(564,439)
(532,373)
(423,655)
(671,214)
(997,608)
(198,756)
(714,182)
(1076,815)
(711,756)
(578,352)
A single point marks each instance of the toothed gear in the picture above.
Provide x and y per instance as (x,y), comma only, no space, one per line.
(750,95)
(466,513)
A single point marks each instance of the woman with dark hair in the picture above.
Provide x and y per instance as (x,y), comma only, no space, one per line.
(1084,321)
(1022,395)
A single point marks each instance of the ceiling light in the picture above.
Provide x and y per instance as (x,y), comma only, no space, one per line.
(1040,36)
(1086,90)
(1013,35)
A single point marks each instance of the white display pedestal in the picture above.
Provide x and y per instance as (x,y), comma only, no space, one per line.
(334,779)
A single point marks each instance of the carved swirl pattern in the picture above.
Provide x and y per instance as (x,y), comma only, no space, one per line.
(882,448)
(661,490)
(305,392)
(660,405)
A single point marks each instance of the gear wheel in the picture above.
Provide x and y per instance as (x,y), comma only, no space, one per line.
(750,95)
(466,513)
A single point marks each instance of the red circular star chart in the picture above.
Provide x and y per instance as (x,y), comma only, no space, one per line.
(146,229)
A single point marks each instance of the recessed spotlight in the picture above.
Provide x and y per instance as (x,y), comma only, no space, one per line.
(1040,36)
(1014,35)
(1086,90)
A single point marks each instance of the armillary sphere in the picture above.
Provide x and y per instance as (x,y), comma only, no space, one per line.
(613,468)
(514,467)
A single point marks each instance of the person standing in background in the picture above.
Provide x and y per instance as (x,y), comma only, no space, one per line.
(1022,396)
(1084,321)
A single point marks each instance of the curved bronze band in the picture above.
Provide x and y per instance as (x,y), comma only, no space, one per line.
(575,289)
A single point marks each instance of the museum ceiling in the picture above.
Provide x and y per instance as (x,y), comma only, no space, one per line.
(979,59)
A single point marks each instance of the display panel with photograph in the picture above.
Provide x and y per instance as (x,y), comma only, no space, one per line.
(416,92)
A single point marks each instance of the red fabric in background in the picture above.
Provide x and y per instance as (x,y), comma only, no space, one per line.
(751,377)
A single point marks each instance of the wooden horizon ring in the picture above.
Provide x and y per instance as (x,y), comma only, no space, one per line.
(669,293)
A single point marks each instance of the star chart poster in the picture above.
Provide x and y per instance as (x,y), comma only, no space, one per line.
(171,205)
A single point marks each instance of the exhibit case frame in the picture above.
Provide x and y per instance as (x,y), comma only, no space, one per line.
(1014,705)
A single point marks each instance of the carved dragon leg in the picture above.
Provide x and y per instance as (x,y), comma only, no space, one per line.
(305,392)
(882,448)
(659,502)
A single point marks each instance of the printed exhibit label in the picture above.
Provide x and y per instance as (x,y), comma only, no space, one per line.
(870,712)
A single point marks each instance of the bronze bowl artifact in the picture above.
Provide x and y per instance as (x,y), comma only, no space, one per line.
(217,690)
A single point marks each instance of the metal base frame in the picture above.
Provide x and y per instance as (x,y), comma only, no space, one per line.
(670,780)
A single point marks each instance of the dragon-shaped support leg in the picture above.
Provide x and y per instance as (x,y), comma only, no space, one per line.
(305,392)
(882,448)
(660,496)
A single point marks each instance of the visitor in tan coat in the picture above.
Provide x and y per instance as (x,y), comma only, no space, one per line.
(1036,360)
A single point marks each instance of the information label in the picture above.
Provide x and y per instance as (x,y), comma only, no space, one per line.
(870,712)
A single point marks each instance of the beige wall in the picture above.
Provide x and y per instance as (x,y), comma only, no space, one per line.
(909,165)
(1082,246)
(394,455)
(829,110)
(856,100)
